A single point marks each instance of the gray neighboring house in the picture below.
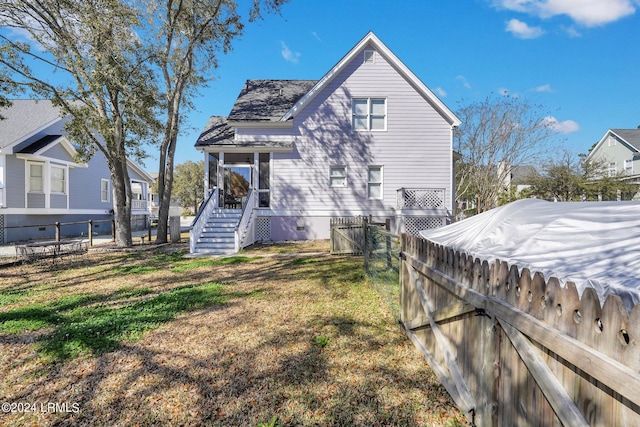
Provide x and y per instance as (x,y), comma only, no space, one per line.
(368,138)
(620,150)
(41,182)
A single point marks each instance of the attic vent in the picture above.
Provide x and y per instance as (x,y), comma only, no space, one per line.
(369,56)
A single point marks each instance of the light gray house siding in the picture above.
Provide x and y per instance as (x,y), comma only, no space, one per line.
(312,134)
(414,151)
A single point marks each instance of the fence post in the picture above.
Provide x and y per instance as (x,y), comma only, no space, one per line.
(90,232)
(113,230)
(365,243)
(387,226)
(57,231)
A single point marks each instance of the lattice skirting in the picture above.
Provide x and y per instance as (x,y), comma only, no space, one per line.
(263,228)
(414,224)
(2,236)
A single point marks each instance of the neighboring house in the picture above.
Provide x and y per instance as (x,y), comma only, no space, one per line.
(368,138)
(41,183)
(619,152)
(619,149)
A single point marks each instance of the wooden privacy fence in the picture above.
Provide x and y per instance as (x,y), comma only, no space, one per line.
(347,235)
(514,349)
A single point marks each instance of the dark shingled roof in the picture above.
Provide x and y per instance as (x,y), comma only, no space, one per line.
(35,146)
(268,100)
(259,100)
(216,131)
(631,136)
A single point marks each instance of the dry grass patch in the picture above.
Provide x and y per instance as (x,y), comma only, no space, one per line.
(277,335)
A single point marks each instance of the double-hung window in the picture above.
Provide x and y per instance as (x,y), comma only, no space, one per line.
(628,166)
(105,193)
(58,180)
(36,178)
(337,176)
(369,114)
(374,182)
(613,168)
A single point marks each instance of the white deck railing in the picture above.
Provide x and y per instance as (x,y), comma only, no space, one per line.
(200,220)
(244,231)
(421,198)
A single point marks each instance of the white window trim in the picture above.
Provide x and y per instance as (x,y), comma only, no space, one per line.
(612,169)
(28,175)
(369,56)
(369,115)
(65,179)
(334,167)
(628,166)
(108,198)
(369,182)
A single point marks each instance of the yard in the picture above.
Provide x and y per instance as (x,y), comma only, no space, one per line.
(277,335)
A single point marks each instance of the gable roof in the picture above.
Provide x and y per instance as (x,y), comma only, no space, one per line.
(27,118)
(629,137)
(371,40)
(268,100)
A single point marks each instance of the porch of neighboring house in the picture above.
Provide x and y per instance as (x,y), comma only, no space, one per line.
(140,205)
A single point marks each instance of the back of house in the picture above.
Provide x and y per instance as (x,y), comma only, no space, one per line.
(367,139)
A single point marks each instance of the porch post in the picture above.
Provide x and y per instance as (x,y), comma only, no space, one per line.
(255,174)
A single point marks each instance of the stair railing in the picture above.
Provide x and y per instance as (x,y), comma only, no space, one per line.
(245,220)
(200,221)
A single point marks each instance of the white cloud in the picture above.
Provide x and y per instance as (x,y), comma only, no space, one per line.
(544,88)
(288,54)
(440,92)
(564,127)
(464,81)
(523,30)
(572,32)
(589,13)
(316,36)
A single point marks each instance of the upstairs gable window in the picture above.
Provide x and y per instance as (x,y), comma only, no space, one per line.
(369,114)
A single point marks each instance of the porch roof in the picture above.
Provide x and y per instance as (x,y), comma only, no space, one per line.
(218,133)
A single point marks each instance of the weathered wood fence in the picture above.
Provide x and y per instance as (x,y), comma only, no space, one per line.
(347,235)
(514,349)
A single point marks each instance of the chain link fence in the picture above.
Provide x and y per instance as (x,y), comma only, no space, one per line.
(382,264)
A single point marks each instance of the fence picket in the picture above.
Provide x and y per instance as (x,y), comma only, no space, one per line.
(585,356)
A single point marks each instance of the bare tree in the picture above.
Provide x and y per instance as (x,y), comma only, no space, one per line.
(497,134)
(103,83)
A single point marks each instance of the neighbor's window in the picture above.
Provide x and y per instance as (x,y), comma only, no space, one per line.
(374,182)
(628,166)
(36,183)
(105,193)
(613,169)
(369,114)
(58,180)
(338,176)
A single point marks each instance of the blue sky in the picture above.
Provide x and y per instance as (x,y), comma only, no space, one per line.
(580,59)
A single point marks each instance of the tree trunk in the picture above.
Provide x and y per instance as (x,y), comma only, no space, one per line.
(121,203)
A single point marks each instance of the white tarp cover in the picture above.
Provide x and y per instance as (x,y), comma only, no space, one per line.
(593,244)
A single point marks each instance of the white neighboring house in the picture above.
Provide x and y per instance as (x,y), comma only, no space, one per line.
(41,183)
(368,138)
